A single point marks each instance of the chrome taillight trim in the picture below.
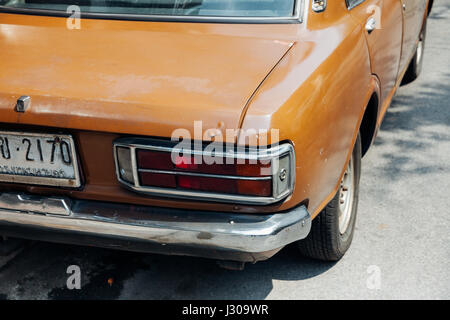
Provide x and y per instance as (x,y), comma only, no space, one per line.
(206,175)
(271,153)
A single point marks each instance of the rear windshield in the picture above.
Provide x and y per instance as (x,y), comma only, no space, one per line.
(219,8)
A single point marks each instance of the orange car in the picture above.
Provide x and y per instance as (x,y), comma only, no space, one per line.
(218,128)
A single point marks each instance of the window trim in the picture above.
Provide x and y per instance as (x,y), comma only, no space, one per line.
(296,18)
(353,3)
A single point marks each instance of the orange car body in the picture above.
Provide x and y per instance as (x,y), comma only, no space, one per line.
(314,80)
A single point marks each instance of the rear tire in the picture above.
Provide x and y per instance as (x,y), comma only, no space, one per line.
(332,230)
(415,66)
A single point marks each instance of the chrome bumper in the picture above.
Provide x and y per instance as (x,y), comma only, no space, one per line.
(139,228)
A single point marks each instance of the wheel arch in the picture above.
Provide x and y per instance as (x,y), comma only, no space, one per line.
(430,6)
(368,126)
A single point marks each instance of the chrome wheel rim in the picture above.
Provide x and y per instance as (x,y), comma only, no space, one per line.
(419,50)
(346,192)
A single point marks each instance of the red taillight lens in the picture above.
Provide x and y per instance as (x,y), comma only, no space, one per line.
(261,188)
(155,160)
(158,179)
(252,179)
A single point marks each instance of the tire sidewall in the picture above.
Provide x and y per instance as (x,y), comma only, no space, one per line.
(423,36)
(415,67)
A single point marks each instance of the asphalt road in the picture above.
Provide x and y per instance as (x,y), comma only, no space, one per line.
(401,248)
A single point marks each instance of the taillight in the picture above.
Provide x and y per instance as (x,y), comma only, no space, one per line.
(125,164)
(157,160)
(257,176)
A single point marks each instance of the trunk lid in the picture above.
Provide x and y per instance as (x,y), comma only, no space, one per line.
(132,77)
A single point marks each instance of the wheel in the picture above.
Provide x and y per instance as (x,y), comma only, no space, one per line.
(415,66)
(332,230)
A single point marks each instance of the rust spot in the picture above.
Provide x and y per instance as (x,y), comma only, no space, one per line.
(382,226)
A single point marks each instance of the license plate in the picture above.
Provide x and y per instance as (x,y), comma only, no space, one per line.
(35,158)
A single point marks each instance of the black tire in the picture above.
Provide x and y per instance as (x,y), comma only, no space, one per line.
(325,241)
(415,66)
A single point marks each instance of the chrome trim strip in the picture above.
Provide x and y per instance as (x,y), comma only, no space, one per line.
(249,154)
(133,166)
(255,154)
(295,18)
(208,230)
(35,204)
(353,3)
(206,175)
(205,196)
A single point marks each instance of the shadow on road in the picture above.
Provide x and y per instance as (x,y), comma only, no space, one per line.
(109,274)
(421,121)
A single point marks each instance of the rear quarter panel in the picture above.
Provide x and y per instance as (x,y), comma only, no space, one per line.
(316,97)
